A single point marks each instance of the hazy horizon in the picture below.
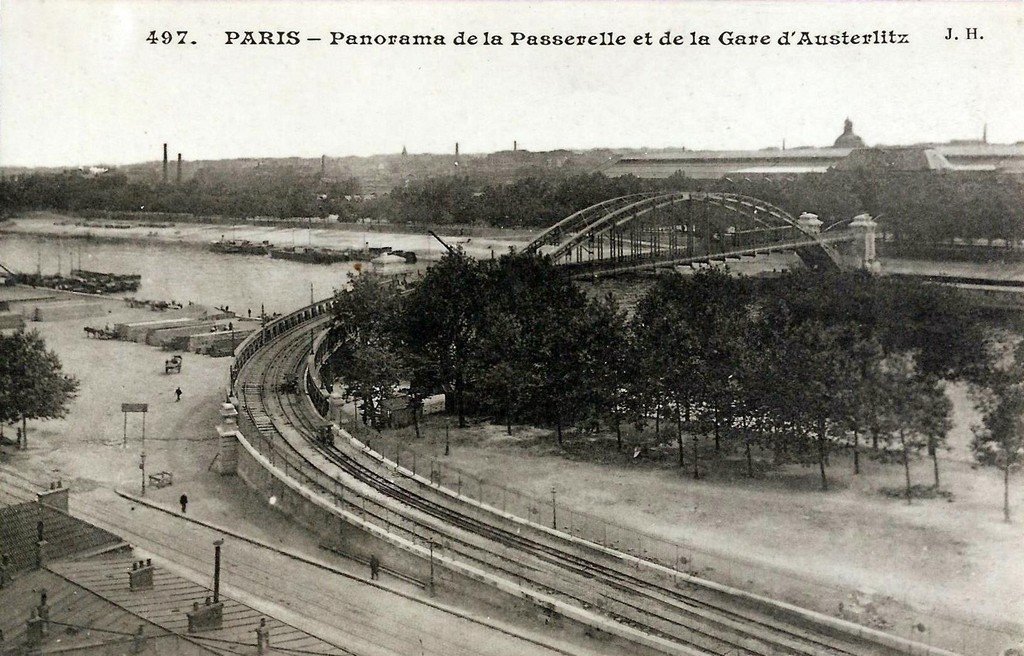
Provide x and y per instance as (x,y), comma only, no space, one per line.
(80,85)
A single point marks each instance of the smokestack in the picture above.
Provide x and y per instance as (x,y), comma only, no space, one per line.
(165,163)
(515,146)
(456,148)
(178,175)
(323,165)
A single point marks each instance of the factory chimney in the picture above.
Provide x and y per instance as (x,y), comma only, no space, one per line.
(177,177)
(515,145)
(456,149)
(165,163)
(323,165)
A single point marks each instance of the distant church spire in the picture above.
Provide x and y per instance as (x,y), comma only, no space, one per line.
(404,151)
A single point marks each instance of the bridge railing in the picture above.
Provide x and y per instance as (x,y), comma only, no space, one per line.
(256,340)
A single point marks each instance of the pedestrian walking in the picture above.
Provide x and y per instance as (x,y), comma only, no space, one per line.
(183,500)
(374,567)
(177,395)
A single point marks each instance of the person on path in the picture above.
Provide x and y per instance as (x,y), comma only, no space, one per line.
(177,395)
(374,567)
(183,500)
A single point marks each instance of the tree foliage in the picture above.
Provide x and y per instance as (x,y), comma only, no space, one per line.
(915,208)
(999,439)
(33,384)
(800,365)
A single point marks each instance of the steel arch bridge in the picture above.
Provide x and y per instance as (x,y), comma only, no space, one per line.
(664,229)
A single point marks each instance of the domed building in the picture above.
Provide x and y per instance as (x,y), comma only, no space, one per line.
(848,139)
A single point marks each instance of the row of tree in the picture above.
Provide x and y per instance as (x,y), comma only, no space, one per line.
(282,192)
(913,207)
(795,366)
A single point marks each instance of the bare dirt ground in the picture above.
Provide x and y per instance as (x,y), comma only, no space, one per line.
(943,572)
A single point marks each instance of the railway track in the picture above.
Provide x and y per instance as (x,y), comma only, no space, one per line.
(695,619)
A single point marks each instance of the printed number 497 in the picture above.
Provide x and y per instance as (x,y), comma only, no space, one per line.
(167,37)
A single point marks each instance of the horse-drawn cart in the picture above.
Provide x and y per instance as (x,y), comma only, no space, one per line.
(173,365)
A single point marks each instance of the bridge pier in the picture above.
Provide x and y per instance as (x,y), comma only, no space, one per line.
(859,253)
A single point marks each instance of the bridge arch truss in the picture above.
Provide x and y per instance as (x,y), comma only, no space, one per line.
(651,230)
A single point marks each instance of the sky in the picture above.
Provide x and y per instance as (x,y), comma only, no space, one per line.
(80,85)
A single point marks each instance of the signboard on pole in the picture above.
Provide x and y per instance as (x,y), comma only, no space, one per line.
(134,407)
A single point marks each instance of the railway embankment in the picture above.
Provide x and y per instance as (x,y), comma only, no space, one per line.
(365,504)
(281,465)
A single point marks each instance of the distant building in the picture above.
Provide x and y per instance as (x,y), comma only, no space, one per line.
(714,164)
(908,158)
(848,139)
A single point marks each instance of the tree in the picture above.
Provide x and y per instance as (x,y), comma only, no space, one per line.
(809,369)
(33,384)
(614,363)
(936,420)
(371,378)
(503,379)
(441,323)
(865,398)
(999,440)
(364,317)
(907,400)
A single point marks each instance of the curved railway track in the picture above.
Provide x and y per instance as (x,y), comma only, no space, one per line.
(696,619)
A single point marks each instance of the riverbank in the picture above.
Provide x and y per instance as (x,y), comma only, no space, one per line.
(477,241)
(482,242)
(464,230)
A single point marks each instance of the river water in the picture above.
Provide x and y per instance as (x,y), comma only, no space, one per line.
(175,264)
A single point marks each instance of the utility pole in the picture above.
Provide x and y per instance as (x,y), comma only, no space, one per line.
(216,569)
(554,511)
(431,566)
(142,466)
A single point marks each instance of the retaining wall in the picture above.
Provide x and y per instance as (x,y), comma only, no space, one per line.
(454,581)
